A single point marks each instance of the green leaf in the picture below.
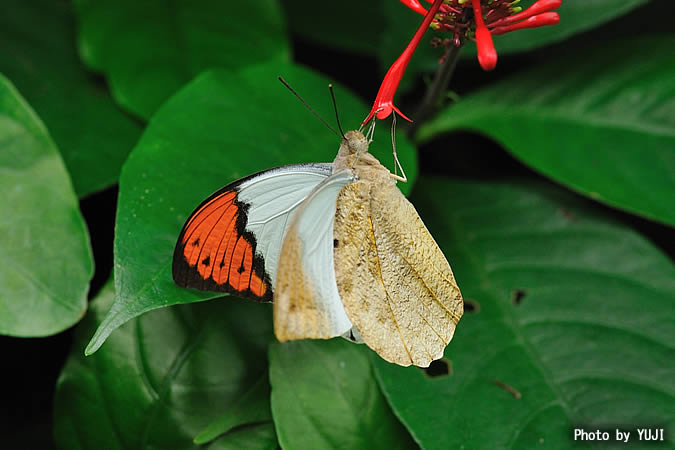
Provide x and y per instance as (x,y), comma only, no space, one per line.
(572,322)
(149,49)
(324,395)
(576,16)
(221,127)
(354,25)
(163,377)
(37,44)
(252,407)
(46,258)
(601,122)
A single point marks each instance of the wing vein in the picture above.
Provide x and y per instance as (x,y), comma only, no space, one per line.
(206,238)
(279,214)
(435,298)
(431,313)
(226,238)
(384,287)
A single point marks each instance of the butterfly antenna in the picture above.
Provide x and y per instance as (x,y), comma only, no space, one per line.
(307,106)
(337,116)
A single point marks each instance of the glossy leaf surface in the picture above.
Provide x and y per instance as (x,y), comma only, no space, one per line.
(46,257)
(163,377)
(610,137)
(324,395)
(93,135)
(252,407)
(149,49)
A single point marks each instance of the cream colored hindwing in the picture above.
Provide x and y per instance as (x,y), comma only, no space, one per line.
(395,284)
(306,300)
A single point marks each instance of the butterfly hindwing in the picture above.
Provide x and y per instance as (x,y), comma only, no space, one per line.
(307,303)
(232,241)
(396,286)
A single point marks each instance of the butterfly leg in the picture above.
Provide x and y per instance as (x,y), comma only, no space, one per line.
(371,128)
(369,137)
(397,164)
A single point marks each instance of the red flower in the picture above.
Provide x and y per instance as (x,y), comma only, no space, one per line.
(384,101)
(484,18)
(465,19)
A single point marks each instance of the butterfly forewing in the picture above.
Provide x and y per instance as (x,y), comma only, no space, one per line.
(232,241)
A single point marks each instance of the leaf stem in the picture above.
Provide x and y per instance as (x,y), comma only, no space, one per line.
(438,86)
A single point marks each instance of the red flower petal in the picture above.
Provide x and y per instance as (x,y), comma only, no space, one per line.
(384,101)
(487,55)
(538,7)
(548,18)
(415,6)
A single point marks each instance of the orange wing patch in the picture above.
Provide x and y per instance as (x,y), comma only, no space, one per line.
(215,252)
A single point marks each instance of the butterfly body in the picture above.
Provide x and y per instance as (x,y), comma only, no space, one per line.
(342,253)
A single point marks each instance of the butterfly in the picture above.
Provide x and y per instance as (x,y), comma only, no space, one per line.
(336,247)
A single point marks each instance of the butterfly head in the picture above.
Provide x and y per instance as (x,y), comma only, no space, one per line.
(353,148)
(356,143)
(353,155)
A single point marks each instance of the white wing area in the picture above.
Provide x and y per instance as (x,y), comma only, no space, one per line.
(308,266)
(273,197)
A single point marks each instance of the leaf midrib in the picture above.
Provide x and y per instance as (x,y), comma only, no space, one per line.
(23,271)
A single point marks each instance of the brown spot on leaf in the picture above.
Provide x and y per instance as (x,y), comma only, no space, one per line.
(518,296)
(508,388)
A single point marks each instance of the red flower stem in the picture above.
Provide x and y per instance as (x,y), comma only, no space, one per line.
(384,101)
(438,87)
